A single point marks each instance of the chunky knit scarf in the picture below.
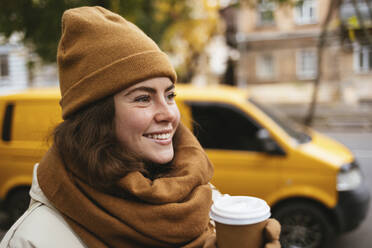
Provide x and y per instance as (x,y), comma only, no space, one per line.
(167,212)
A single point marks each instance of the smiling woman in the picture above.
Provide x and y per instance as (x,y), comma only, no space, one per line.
(123,171)
(146,118)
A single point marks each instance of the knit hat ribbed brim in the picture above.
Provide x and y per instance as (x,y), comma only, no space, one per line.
(100,54)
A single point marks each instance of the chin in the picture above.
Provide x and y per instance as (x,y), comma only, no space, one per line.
(162,158)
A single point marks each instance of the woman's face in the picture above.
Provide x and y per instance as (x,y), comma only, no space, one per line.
(146,118)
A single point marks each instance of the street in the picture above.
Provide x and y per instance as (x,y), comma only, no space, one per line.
(361,145)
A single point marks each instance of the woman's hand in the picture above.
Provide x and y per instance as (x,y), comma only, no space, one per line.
(272,233)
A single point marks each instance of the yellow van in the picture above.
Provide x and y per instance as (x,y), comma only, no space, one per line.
(25,118)
(312,182)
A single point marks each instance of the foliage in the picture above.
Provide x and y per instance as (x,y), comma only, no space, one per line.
(185,39)
(37,20)
(176,25)
(253,3)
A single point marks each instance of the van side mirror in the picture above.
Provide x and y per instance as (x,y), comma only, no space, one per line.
(267,143)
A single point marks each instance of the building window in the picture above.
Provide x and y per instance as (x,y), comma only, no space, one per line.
(362,59)
(266,13)
(306,64)
(305,12)
(265,66)
(4,65)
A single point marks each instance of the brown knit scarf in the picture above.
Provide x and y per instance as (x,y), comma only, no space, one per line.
(167,212)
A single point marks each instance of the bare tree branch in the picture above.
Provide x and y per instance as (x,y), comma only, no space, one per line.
(369,7)
(333,6)
(361,22)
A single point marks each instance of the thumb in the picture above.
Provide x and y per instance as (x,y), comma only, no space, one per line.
(272,230)
(273,244)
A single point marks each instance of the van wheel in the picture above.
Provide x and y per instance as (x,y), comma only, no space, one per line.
(304,225)
(17,203)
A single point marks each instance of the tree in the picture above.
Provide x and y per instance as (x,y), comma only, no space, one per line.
(170,23)
(38,21)
(333,6)
(360,19)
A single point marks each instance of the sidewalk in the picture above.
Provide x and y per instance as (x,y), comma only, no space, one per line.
(332,116)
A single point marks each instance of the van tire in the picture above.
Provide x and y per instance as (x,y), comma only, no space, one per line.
(17,203)
(304,225)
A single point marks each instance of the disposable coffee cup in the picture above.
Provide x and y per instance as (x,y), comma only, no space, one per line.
(240,221)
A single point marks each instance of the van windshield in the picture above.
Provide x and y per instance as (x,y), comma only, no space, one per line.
(293,129)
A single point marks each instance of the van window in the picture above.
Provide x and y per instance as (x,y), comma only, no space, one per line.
(7,122)
(290,127)
(222,126)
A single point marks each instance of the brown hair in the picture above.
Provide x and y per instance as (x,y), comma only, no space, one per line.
(87,143)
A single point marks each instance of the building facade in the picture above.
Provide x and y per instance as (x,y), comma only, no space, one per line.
(19,68)
(278,43)
(356,39)
(13,66)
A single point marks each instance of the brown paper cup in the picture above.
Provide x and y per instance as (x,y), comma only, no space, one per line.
(240,221)
(244,236)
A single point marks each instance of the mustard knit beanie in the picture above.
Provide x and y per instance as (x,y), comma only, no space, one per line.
(100,54)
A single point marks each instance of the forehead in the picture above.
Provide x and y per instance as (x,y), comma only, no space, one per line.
(159,83)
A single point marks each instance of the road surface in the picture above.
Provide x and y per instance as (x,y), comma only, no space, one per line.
(361,145)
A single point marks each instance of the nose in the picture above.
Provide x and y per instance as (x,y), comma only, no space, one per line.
(165,112)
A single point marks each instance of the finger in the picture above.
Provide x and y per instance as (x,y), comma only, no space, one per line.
(272,229)
(273,244)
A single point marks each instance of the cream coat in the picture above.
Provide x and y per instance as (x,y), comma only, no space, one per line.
(41,226)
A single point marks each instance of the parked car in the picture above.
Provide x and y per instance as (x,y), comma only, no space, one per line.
(312,183)
(26,119)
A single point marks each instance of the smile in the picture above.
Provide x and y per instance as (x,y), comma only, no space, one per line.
(160,136)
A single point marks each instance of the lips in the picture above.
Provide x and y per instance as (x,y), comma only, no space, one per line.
(164,135)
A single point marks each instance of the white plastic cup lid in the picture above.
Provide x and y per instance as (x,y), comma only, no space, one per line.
(239,210)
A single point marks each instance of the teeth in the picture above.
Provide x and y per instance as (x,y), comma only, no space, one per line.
(162,136)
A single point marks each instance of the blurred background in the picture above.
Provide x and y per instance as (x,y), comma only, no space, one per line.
(311,59)
(296,54)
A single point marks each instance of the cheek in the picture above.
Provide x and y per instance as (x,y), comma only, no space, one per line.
(177,116)
(121,130)
(131,124)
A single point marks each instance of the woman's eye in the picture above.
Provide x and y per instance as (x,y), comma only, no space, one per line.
(171,96)
(144,98)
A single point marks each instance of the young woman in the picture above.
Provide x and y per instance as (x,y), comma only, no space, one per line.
(123,171)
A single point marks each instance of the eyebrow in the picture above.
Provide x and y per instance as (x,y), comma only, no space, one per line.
(148,89)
